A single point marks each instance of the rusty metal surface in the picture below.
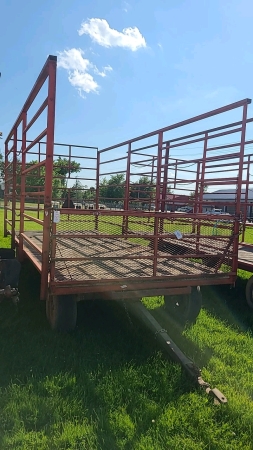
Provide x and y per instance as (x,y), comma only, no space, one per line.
(84,253)
(85,259)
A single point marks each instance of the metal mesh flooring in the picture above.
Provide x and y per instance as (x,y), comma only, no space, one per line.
(245,253)
(107,259)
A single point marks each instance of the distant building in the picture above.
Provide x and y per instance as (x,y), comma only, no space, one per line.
(175,201)
(225,199)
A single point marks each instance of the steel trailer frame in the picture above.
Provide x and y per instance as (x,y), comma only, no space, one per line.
(145,245)
(161,165)
(245,250)
(47,74)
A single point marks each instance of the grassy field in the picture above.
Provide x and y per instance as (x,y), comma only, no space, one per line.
(108,386)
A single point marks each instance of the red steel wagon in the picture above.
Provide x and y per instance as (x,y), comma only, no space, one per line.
(143,226)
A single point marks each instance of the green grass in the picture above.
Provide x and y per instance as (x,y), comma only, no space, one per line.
(113,224)
(107,385)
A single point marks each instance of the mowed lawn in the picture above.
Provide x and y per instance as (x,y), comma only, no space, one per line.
(108,386)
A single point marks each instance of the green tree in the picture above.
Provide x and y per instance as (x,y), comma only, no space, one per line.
(143,189)
(89,193)
(113,189)
(36,178)
(103,189)
(77,191)
(62,169)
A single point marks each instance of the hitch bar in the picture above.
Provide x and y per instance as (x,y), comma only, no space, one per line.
(139,310)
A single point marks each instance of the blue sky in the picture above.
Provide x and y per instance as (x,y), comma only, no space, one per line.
(174,60)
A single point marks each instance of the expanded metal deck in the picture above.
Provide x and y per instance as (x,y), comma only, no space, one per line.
(245,257)
(107,258)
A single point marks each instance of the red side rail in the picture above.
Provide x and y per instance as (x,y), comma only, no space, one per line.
(22,126)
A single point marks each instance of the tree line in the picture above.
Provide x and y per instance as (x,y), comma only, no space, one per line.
(110,190)
(113,190)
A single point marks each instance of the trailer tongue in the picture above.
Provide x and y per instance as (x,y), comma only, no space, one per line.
(173,351)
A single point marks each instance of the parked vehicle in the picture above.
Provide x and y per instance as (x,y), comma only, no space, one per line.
(215,211)
(184,209)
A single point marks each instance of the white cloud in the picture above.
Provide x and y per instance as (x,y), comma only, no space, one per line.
(100,32)
(126,7)
(73,60)
(103,72)
(79,69)
(83,81)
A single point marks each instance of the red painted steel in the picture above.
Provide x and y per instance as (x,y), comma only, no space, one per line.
(14,187)
(34,92)
(6,190)
(246,196)
(140,285)
(48,177)
(48,73)
(239,188)
(22,184)
(53,253)
(183,123)
(130,244)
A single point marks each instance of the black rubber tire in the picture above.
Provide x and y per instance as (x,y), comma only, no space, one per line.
(61,312)
(249,292)
(184,308)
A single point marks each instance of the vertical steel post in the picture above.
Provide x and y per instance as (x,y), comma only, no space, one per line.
(175,184)
(14,189)
(157,199)
(53,252)
(97,189)
(239,190)
(151,182)
(159,167)
(165,176)
(165,183)
(6,192)
(22,187)
(195,204)
(48,178)
(127,191)
(199,200)
(246,199)
(202,179)
(39,174)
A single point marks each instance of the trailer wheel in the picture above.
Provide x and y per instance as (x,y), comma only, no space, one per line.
(61,312)
(184,308)
(249,292)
